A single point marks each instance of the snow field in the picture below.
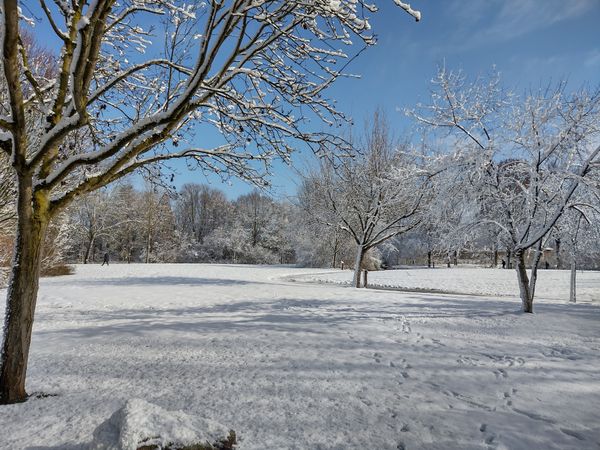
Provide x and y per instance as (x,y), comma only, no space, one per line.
(552,285)
(307,366)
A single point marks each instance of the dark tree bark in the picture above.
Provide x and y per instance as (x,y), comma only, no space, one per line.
(573,283)
(22,293)
(526,298)
(88,249)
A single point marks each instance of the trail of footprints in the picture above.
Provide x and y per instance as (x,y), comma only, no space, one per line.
(402,326)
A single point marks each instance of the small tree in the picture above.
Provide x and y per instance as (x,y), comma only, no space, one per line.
(319,240)
(375,194)
(522,157)
(579,228)
(90,219)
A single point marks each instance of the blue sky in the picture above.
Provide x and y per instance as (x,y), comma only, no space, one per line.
(530,42)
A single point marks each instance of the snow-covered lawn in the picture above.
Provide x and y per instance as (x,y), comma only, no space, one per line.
(552,285)
(310,366)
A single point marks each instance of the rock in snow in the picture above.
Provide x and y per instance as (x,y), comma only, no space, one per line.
(140,423)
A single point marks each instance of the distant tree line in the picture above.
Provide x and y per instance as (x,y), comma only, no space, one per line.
(196,224)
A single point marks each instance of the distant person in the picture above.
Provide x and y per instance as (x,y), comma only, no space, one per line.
(547,265)
(503,264)
(106,258)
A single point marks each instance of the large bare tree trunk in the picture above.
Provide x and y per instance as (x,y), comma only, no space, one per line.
(360,254)
(526,297)
(22,294)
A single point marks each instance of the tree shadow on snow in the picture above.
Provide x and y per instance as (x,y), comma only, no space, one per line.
(162,280)
(300,315)
(59,447)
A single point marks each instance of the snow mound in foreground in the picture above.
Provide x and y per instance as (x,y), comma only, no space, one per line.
(140,423)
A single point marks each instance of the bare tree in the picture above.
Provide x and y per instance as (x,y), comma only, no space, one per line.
(579,228)
(319,239)
(523,157)
(374,195)
(90,221)
(200,209)
(157,225)
(250,67)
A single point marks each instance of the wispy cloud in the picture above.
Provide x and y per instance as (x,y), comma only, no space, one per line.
(494,21)
(592,59)
(518,17)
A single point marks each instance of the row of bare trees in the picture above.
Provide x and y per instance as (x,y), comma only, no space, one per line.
(521,171)
(196,224)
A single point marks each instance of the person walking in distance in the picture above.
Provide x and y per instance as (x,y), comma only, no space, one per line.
(106,258)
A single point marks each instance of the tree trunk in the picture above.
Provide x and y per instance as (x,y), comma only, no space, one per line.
(335,252)
(526,298)
(360,254)
(148,247)
(22,294)
(88,250)
(535,264)
(573,286)
(429,259)
(508,263)
(558,261)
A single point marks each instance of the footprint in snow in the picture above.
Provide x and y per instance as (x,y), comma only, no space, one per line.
(489,440)
(403,325)
(500,373)
(572,433)
(467,360)
(507,399)
(505,360)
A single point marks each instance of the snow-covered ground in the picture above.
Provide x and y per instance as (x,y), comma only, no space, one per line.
(552,284)
(309,366)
